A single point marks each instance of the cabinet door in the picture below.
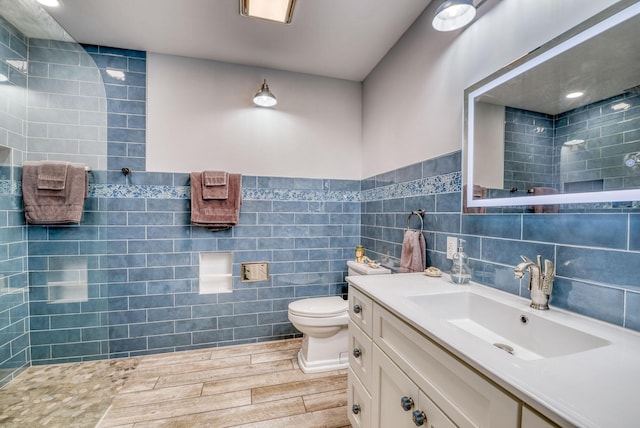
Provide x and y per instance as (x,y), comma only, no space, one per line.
(358,402)
(390,387)
(396,399)
(462,394)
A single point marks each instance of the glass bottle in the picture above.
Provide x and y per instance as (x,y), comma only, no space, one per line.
(460,271)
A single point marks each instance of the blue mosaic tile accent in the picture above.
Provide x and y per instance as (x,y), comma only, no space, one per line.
(184,192)
(434,185)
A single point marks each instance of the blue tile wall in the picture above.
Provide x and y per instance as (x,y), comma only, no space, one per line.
(126,95)
(305,228)
(143,254)
(596,253)
(535,155)
(14,314)
(528,150)
(611,130)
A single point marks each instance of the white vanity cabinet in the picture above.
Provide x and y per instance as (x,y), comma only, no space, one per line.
(360,360)
(396,371)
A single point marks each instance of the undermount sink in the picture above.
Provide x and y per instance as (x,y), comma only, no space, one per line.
(519,332)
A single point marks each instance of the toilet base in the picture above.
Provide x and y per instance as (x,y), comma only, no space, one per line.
(324,354)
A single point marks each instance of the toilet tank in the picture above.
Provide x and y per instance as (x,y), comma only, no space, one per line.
(364,269)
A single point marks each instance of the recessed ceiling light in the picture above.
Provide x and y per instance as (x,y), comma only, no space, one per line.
(271,10)
(115,73)
(620,106)
(576,94)
(50,3)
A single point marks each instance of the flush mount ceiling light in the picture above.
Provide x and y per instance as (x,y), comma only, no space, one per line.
(453,14)
(573,95)
(271,10)
(50,3)
(264,97)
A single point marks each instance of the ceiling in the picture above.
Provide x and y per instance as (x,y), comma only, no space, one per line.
(602,67)
(342,39)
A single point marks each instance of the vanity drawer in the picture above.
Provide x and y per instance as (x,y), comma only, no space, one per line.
(464,396)
(357,395)
(360,310)
(360,347)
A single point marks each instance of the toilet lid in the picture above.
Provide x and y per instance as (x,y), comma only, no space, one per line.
(319,307)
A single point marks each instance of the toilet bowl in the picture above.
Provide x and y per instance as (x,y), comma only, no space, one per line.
(323,323)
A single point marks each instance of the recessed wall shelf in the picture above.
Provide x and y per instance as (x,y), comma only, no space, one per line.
(215,273)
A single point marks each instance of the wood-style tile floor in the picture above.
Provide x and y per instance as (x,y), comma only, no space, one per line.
(257,385)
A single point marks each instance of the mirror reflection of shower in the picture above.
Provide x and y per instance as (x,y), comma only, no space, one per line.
(632,161)
(574,145)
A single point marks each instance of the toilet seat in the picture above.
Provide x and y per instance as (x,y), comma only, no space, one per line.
(319,307)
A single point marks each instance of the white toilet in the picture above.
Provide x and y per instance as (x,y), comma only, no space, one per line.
(323,322)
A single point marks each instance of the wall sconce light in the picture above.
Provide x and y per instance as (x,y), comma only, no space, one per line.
(264,97)
(3,78)
(453,14)
(271,10)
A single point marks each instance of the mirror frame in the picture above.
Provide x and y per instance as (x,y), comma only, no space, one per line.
(599,23)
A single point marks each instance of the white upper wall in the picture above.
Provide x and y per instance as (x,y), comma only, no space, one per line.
(200,117)
(413,99)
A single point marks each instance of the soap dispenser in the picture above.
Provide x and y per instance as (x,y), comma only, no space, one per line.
(460,271)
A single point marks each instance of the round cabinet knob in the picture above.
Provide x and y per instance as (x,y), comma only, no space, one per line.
(357,309)
(356,352)
(355,409)
(406,403)
(419,418)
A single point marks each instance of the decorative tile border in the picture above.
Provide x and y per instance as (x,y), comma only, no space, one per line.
(139,191)
(434,185)
(9,187)
(184,192)
(301,195)
(446,183)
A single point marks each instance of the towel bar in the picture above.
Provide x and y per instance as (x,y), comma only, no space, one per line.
(420,214)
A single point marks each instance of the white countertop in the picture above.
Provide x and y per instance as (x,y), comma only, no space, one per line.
(595,388)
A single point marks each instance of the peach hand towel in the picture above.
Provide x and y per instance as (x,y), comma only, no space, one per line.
(217,214)
(47,206)
(215,185)
(538,209)
(414,254)
(52,175)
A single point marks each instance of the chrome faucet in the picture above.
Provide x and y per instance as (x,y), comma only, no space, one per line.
(540,284)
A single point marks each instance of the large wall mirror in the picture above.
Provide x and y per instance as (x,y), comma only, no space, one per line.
(562,124)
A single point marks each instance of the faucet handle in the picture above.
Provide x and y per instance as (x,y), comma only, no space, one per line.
(548,277)
(526,259)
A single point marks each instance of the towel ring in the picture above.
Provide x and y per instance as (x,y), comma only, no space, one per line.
(420,214)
